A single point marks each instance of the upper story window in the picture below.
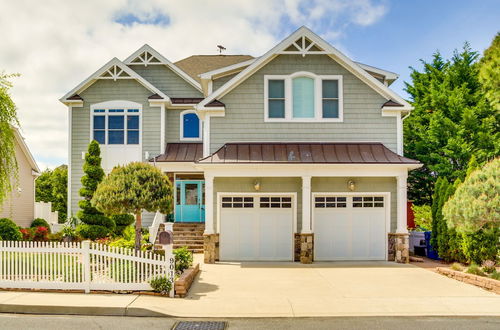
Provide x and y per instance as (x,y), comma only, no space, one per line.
(190,126)
(303,97)
(116,123)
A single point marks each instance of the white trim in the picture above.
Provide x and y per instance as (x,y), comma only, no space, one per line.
(163,117)
(385,194)
(70,137)
(182,167)
(402,187)
(318,97)
(330,50)
(24,148)
(163,60)
(306,227)
(206,136)
(388,75)
(181,130)
(229,68)
(399,134)
(97,75)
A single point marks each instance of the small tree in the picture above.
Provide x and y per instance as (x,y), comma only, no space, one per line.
(132,189)
(95,223)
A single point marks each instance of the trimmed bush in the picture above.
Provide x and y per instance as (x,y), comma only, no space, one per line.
(481,245)
(456,266)
(161,284)
(39,222)
(92,232)
(183,259)
(27,234)
(10,231)
(122,221)
(489,266)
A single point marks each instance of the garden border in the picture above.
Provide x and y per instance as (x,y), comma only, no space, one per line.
(480,281)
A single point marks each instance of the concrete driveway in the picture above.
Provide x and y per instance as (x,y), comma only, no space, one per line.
(326,289)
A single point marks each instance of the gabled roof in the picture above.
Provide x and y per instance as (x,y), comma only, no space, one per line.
(306,152)
(24,147)
(147,55)
(195,65)
(306,43)
(113,70)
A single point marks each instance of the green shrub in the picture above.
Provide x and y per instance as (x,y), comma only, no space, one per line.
(481,245)
(489,266)
(423,216)
(69,231)
(475,270)
(92,231)
(128,239)
(56,237)
(10,231)
(122,221)
(456,266)
(183,259)
(161,284)
(495,275)
(39,222)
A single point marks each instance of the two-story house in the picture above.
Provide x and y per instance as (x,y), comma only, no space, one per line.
(293,155)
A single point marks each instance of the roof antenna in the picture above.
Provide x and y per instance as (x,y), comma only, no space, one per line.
(221,48)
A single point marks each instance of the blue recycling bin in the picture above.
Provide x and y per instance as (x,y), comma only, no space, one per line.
(431,253)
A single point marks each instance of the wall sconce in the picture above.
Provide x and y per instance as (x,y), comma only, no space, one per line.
(19,190)
(256,185)
(351,185)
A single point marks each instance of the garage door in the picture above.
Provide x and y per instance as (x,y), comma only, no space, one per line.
(350,227)
(256,227)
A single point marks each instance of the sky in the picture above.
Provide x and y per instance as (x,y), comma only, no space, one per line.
(56,44)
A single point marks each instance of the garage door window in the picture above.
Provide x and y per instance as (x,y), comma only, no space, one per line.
(276,202)
(367,201)
(237,202)
(329,202)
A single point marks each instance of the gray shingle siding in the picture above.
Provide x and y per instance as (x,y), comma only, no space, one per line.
(166,80)
(244,119)
(108,90)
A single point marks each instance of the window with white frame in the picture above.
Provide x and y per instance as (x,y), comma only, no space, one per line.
(190,126)
(303,96)
(116,126)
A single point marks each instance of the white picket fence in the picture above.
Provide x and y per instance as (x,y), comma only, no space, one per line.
(80,266)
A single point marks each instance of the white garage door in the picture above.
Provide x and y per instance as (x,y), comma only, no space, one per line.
(256,227)
(350,227)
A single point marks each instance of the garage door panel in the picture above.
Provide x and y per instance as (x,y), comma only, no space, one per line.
(349,227)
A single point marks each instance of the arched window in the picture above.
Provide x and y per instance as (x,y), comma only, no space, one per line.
(303,97)
(190,126)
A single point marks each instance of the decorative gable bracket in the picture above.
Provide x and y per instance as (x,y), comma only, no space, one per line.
(146,58)
(115,72)
(303,46)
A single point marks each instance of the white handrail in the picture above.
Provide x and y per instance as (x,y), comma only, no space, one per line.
(153,229)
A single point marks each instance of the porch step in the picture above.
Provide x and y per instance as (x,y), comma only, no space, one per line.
(189,234)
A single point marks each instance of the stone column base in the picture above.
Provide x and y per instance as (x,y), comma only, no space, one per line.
(399,247)
(306,248)
(211,248)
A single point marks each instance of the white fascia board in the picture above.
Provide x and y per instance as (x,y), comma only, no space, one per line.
(95,76)
(24,147)
(220,71)
(315,170)
(329,50)
(387,74)
(163,60)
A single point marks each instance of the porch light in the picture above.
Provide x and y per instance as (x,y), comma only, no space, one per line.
(256,185)
(351,185)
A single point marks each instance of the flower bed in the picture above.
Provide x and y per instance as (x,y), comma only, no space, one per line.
(483,282)
(183,283)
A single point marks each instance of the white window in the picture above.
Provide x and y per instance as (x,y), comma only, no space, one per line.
(190,129)
(115,123)
(303,97)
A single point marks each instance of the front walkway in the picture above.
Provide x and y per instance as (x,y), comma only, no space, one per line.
(284,290)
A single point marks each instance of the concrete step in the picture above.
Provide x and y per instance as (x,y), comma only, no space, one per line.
(188,233)
(188,242)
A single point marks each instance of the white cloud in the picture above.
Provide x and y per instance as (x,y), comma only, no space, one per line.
(57,44)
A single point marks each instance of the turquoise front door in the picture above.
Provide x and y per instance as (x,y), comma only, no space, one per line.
(190,201)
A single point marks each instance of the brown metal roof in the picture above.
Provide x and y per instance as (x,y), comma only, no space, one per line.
(304,152)
(181,152)
(392,103)
(197,64)
(195,100)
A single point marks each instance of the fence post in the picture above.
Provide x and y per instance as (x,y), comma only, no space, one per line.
(86,265)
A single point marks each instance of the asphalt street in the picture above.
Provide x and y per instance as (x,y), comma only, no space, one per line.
(42,322)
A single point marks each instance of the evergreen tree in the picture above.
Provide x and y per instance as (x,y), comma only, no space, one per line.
(451,122)
(52,186)
(95,224)
(489,73)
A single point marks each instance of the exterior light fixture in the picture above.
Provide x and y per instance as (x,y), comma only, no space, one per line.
(351,185)
(256,185)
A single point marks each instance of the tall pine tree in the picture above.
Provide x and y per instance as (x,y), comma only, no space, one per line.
(94,223)
(452,121)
